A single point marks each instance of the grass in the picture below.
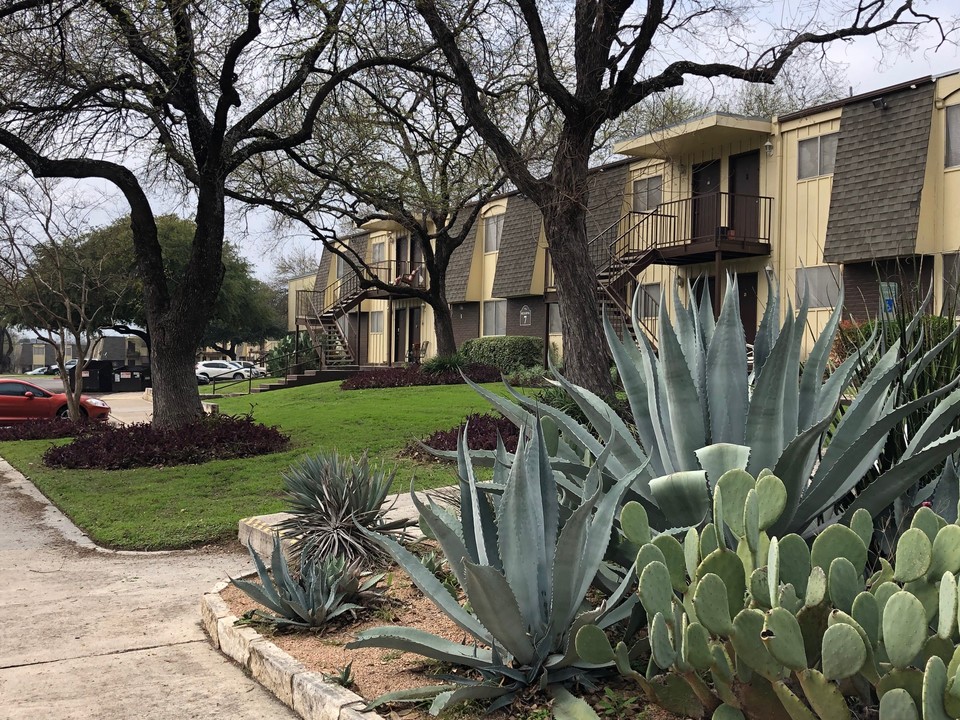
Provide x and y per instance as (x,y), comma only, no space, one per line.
(192,505)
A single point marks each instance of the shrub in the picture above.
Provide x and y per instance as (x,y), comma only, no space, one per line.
(322,591)
(530,377)
(48,429)
(215,437)
(331,498)
(412,376)
(282,357)
(482,433)
(442,364)
(509,353)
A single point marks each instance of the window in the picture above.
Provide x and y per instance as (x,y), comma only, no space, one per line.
(647,193)
(953,136)
(376,321)
(15,389)
(553,315)
(649,300)
(817,156)
(377,254)
(495,317)
(824,283)
(492,230)
(341,267)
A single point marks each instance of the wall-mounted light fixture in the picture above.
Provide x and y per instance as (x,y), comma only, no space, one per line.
(879,103)
(768,147)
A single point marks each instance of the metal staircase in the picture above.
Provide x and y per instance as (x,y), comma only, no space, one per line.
(322,310)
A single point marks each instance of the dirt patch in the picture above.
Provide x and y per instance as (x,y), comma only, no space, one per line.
(379,670)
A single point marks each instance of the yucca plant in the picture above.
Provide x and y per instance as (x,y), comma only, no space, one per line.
(330,498)
(698,411)
(525,578)
(321,592)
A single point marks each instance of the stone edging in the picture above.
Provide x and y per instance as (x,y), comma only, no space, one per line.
(303,690)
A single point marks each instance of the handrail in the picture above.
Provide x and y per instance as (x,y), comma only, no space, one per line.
(399,272)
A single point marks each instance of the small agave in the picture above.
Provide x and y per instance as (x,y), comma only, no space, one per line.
(324,590)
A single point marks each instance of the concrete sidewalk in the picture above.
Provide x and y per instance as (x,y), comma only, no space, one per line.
(89,633)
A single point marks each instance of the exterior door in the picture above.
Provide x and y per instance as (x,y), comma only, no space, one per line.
(400,335)
(414,343)
(363,342)
(705,189)
(747,284)
(744,217)
(403,255)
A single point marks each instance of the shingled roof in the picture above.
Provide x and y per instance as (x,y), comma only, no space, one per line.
(605,205)
(878,177)
(458,270)
(518,248)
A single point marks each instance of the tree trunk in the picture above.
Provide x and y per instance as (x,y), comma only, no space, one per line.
(585,354)
(176,401)
(443,328)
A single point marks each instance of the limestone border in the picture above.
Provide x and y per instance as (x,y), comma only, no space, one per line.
(302,690)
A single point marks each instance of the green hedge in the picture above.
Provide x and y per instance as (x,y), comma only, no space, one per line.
(508,353)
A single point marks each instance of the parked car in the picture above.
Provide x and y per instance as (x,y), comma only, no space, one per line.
(222,370)
(69,365)
(38,371)
(21,400)
(202,379)
(254,370)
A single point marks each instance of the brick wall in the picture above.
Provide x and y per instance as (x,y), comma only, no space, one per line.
(861,282)
(538,316)
(466,321)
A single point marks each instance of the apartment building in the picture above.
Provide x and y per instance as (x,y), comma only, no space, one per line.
(866,189)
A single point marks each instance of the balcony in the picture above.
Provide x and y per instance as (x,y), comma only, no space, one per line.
(345,292)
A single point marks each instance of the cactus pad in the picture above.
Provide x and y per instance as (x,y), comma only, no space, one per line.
(926,519)
(904,628)
(593,646)
(898,705)
(782,637)
(946,551)
(838,541)
(866,611)
(656,590)
(674,559)
(634,523)
(862,524)
(661,644)
(794,562)
(773,499)
(735,485)
(823,695)
(728,567)
(934,689)
(914,553)
(712,612)
(947,612)
(843,652)
(747,627)
(843,584)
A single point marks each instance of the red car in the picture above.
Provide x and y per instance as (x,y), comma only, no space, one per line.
(21,400)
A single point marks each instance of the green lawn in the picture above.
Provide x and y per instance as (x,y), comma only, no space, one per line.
(190,505)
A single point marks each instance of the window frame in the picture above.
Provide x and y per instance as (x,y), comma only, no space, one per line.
(636,194)
(821,169)
(650,308)
(499,316)
(378,248)
(831,290)
(951,148)
(497,221)
(376,318)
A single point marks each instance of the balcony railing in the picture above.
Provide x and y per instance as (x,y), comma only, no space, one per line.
(401,273)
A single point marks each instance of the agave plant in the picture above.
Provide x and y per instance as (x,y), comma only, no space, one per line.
(330,499)
(699,411)
(525,578)
(323,590)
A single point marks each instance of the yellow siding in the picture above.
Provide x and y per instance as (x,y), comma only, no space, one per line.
(305,282)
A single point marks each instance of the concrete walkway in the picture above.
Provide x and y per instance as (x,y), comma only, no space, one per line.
(91,634)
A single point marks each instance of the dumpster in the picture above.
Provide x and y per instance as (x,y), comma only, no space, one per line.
(97,376)
(131,378)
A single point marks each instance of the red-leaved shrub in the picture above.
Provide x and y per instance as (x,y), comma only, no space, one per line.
(48,429)
(481,435)
(214,437)
(411,376)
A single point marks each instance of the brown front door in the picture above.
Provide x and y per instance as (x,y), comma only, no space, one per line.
(747,284)
(705,189)
(400,335)
(744,217)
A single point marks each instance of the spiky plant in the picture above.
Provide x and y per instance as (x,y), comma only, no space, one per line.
(330,498)
(321,592)
(698,412)
(525,578)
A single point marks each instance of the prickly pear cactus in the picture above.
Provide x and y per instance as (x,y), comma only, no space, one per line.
(743,625)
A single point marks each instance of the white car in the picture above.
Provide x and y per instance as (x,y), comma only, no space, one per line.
(222,370)
(254,370)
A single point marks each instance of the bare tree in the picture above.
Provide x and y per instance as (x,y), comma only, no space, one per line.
(180,93)
(48,284)
(393,145)
(596,59)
